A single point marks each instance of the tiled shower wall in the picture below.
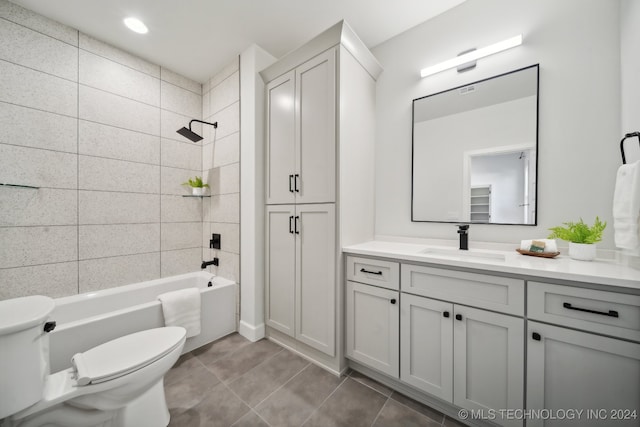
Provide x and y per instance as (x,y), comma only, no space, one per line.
(95,129)
(221,169)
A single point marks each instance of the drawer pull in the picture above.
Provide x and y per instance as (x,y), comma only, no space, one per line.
(458,316)
(393,300)
(611,313)
(536,336)
(379,273)
(445,314)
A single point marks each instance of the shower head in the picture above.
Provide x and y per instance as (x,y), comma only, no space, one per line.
(189,134)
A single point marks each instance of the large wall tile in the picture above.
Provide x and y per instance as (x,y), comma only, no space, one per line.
(226,71)
(40,129)
(103,49)
(97,173)
(110,76)
(224,208)
(23,246)
(99,241)
(225,94)
(172,179)
(104,273)
(229,236)
(103,207)
(180,100)
(228,121)
(35,50)
(225,179)
(206,107)
(181,235)
(185,155)
(29,207)
(180,261)
(226,150)
(109,109)
(181,209)
(180,80)
(171,122)
(100,140)
(229,265)
(52,280)
(30,88)
(29,19)
(39,168)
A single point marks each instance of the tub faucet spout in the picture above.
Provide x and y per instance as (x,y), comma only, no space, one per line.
(206,263)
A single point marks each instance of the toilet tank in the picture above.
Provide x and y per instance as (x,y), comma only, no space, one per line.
(24,351)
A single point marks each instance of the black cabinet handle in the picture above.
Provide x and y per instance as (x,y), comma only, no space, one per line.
(445,314)
(458,316)
(379,273)
(611,313)
(291,224)
(295,180)
(296,228)
(290,183)
(393,300)
(536,336)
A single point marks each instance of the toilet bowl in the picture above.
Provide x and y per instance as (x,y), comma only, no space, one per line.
(117,384)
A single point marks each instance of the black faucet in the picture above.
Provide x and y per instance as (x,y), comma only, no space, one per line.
(463,231)
(206,263)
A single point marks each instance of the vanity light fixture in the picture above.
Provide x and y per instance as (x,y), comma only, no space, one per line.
(136,25)
(472,56)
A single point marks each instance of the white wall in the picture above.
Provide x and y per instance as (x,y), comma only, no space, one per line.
(576,43)
(630,45)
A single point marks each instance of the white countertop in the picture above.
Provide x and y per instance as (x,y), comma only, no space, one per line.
(599,271)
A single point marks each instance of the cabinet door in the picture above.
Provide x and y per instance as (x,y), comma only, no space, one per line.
(281,163)
(427,345)
(316,130)
(372,327)
(582,371)
(488,361)
(315,276)
(280,268)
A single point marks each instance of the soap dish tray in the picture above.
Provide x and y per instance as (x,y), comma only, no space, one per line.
(539,254)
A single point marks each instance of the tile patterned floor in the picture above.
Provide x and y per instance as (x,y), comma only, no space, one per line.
(233,382)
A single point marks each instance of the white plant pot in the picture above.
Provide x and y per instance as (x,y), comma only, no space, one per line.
(582,251)
(197,191)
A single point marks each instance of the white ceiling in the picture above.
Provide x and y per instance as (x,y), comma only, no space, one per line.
(197,38)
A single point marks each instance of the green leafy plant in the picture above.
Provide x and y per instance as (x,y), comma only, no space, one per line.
(579,232)
(196,183)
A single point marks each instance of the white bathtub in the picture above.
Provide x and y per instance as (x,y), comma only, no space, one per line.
(87,320)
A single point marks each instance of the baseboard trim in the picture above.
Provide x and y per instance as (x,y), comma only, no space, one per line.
(250,332)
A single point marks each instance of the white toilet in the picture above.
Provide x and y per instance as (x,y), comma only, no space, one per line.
(117,384)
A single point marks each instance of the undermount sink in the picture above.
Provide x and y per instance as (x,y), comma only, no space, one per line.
(471,253)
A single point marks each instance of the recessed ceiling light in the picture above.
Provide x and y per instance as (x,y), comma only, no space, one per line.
(134,24)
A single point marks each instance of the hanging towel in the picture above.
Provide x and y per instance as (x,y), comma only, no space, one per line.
(182,308)
(549,247)
(626,206)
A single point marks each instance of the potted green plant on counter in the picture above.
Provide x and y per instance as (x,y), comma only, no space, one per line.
(581,237)
(197,186)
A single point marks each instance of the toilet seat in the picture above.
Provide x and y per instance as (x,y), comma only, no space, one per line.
(126,354)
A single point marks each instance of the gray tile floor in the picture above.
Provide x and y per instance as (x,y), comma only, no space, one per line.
(233,382)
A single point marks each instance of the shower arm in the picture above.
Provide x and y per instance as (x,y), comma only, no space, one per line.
(214,124)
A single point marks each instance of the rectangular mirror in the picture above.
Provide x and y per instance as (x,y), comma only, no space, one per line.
(475,152)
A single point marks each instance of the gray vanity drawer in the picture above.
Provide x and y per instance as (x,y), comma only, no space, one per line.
(375,272)
(592,310)
(501,294)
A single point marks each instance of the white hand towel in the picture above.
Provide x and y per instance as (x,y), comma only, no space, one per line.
(626,206)
(182,308)
(550,245)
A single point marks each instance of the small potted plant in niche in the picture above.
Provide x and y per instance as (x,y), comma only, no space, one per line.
(197,186)
(582,238)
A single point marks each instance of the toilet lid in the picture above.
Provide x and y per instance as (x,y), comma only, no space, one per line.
(23,313)
(126,354)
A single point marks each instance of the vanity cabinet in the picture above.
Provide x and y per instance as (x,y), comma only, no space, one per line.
(300,268)
(570,366)
(301,137)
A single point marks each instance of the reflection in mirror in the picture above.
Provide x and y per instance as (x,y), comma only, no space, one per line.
(475,152)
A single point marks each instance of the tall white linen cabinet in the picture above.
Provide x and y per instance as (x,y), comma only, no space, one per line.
(319,186)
